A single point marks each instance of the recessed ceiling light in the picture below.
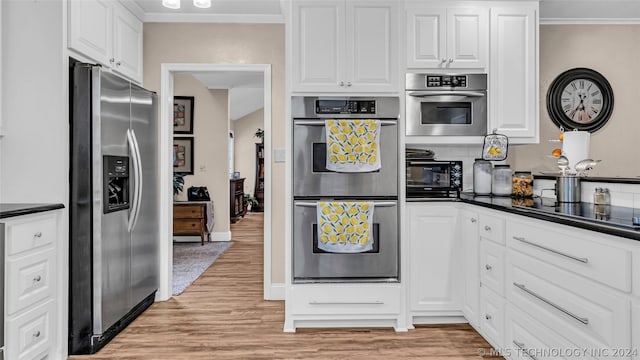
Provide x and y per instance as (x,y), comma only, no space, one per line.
(203,4)
(171,4)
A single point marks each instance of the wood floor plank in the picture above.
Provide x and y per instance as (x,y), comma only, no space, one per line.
(223,316)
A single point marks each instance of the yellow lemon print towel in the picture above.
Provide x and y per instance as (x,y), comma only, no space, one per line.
(353,145)
(345,227)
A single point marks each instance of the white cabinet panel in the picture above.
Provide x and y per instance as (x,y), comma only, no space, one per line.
(492,317)
(513,73)
(31,279)
(635,331)
(29,233)
(470,242)
(90,29)
(447,37)
(31,335)
(371,45)
(127,43)
(318,44)
(345,299)
(345,46)
(492,266)
(492,228)
(435,258)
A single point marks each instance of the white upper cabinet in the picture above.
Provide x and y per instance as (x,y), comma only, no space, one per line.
(513,72)
(447,38)
(107,33)
(345,46)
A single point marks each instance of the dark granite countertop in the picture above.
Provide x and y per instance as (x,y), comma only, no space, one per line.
(10,210)
(612,220)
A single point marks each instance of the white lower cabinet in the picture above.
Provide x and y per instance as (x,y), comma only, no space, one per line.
(492,266)
(635,331)
(470,247)
(35,286)
(492,317)
(435,285)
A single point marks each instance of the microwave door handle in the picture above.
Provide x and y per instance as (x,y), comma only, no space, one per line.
(321,123)
(440,93)
(375,203)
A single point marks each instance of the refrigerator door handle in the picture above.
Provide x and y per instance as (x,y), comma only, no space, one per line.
(138,161)
(136,184)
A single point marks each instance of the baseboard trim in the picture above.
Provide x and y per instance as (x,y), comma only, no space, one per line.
(276,292)
(221,236)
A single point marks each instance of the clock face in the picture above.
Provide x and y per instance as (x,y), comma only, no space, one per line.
(580,99)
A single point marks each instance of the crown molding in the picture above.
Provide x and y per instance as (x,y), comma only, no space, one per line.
(214,18)
(134,8)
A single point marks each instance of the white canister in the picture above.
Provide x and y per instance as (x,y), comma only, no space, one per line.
(501,180)
(575,146)
(482,177)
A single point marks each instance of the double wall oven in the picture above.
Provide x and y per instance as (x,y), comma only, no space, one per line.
(312,182)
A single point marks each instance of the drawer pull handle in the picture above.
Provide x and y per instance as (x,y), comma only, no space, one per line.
(583,320)
(376,302)
(520,346)
(37,279)
(36,334)
(38,234)
(522,239)
(487,316)
(487,228)
(473,220)
(488,267)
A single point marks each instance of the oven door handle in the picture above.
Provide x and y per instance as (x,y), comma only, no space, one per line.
(321,122)
(440,93)
(375,203)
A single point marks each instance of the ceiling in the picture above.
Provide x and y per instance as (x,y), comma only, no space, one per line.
(271,11)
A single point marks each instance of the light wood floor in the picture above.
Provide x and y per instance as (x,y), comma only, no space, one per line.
(222,316)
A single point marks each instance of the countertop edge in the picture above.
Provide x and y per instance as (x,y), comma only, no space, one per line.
(26,209)
(610,230)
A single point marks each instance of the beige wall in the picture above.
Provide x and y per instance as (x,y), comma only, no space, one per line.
(230,44)
(245,147)
(210,126)
(612,50)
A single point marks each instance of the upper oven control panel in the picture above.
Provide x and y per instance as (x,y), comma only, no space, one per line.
(345,106)
(446,80)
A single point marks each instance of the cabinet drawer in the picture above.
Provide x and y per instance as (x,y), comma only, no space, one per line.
(31,335)
(607,264)
(492,266)
(588,314)
(345,300)
(30,233)
(188,212)
(491,228)
(187,225)
(29,280)
(492,317)
(524,335)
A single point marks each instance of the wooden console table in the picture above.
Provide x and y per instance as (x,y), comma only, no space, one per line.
(191,218)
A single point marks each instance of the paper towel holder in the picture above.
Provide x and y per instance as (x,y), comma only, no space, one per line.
(580,99)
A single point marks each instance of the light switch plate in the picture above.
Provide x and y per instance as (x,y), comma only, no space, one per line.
(279,155)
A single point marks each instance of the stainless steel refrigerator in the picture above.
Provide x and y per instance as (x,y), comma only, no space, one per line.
(113,207)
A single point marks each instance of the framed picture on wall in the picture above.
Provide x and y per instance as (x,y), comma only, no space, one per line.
(183,114)
(183,155)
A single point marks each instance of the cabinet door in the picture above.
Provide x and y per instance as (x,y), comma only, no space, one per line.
(90,29)
(513,75)
(635,331)
(318,45)
(435,284)
(467,37)
(371,45)
(426,37)
(127,43)
(470,246)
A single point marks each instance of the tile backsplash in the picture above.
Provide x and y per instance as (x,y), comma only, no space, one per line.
(627,195)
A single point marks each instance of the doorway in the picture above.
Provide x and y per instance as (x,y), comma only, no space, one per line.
(166,164)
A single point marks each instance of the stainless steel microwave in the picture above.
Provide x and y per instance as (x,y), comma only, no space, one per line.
(448,105)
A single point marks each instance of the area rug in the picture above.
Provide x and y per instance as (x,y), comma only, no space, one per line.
(190,260)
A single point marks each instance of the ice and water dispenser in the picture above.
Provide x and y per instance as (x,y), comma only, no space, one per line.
(116,183)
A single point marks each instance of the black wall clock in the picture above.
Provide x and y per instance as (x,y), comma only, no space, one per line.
(580,99)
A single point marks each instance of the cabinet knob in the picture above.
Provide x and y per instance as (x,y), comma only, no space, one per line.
(341,83)
(112,60)
(118,63)
(443,60)
(36,334)
(37,279)
(488,267)
(38,234)
(487,228)
(349,83)
(450,60)
(473,220)
(487,316)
